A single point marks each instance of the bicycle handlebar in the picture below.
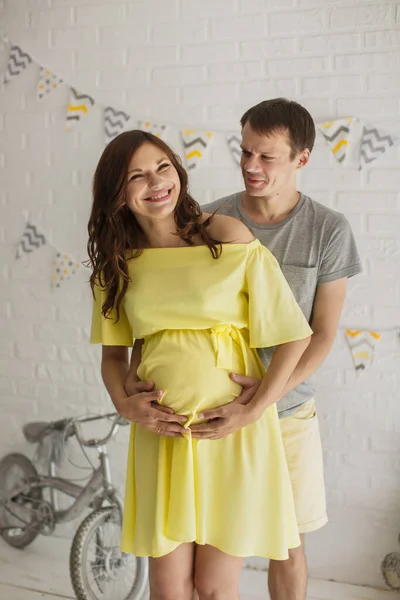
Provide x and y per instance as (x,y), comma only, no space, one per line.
(75,425)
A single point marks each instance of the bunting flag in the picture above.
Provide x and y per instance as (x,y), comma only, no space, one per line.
(78,107)
(374,143)
(234,140)
(48,81)
(114,122)
(337,135)
(64,267)
(30,241)
(17,62)
(195,143)
(153,128)
(362,345)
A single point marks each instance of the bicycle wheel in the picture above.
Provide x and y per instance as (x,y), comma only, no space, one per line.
(98,568)
(18,517)
(390,569)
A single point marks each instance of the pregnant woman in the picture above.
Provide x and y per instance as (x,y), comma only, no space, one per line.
(196,294)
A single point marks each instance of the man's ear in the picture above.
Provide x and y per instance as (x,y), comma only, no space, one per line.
(303,158)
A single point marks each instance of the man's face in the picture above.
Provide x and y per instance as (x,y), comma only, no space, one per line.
(266,162)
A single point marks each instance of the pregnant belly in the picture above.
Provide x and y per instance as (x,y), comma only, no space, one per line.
(183,364)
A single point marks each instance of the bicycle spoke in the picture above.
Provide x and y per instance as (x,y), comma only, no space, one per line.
(106,572)
(101,549)
(114,585)
(94,553)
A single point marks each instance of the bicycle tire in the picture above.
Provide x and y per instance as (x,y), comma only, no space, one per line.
(77,559)
(35,494)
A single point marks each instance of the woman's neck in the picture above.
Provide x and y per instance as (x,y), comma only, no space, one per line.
(160,234)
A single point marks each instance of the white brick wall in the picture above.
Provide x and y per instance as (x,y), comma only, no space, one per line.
(202,63)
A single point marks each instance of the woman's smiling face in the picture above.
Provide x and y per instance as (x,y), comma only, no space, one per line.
(153,184)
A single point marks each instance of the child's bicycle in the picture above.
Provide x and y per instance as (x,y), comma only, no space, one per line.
(98,568)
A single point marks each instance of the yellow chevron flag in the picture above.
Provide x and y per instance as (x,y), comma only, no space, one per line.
(337,134)
(195,144)
(78,107)
(362,345)
(154,128)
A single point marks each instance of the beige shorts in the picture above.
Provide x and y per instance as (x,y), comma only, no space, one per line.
(303,450)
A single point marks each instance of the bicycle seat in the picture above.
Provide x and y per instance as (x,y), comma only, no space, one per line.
(37,431)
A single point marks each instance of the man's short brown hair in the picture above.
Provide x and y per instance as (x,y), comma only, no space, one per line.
(282,115)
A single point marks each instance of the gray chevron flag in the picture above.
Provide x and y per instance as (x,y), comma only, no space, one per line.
(234,140)
(114,122)
(374,143)
(30,241)
(17,62)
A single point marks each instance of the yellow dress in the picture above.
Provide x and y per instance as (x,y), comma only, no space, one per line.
(202,318)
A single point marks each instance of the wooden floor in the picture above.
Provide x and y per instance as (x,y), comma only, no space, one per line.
(41,572)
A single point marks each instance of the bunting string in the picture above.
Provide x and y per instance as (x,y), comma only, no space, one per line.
(338,133)
(372,141)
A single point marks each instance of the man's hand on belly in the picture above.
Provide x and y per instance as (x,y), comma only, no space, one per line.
(142,407)
(226,419)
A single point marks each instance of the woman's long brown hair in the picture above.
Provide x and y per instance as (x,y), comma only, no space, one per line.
(113,228)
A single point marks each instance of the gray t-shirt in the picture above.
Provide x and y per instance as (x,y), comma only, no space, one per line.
(313,245)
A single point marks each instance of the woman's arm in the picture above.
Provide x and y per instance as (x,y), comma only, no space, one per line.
(132,376)
(227,419)
(114,371)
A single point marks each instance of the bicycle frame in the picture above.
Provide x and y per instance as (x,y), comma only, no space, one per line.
(84,495)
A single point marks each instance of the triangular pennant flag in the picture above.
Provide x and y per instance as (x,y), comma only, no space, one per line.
(64,267)
(31,240)
(234,140)
(78,107)
(153,128)
(374,143)
(362,345)
(114,122)
(195,143)
(17,62)
(48,81)
(337,135)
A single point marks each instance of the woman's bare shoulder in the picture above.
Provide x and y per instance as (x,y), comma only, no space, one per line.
(228,229)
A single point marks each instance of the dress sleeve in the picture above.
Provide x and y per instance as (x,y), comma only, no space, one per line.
(274,315)
(107,331)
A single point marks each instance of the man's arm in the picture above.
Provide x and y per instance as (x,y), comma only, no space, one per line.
(222,421)
(327,308)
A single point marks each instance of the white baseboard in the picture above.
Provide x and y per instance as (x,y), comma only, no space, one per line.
(253,585)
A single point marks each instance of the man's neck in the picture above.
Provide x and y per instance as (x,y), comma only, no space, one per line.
(269,210)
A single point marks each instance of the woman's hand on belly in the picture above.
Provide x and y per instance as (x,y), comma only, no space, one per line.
(226,419)
(141,407)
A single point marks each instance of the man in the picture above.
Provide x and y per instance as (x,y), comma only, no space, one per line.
(316,250)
